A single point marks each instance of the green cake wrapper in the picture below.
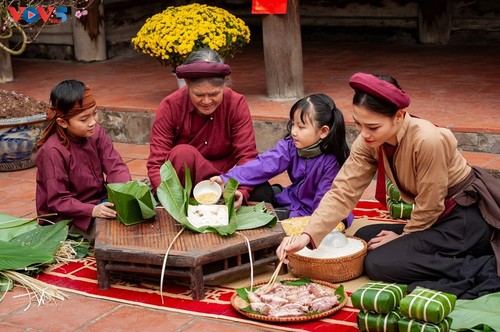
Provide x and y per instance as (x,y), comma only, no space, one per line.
(412,325)
(370,321)
(427,305)
(379,297)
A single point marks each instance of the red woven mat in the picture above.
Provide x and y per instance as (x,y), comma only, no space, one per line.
(81,277)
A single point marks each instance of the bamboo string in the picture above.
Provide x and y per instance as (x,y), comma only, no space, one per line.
(165,263)
(250,258)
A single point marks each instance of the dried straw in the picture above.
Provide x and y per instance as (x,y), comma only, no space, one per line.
(37,290)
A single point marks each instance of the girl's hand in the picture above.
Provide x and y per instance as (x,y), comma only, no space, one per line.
(217,179)
(104,210)
(238,196)
(286,247)
(238,199)
(382,238)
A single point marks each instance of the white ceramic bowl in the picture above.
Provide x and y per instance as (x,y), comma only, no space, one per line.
(206,193)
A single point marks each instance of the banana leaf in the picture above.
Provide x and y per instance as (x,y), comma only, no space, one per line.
(134,202)
(37,246)
(14,256)
(11,226)
(175,199)
(5,284)
(44,238)
(250,217)
(481,314)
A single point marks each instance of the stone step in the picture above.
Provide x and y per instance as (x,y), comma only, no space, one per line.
(479,148)
(135,127)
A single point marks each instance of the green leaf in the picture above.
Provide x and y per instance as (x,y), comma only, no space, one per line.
(171,193)
(298,282)
(250,217)
(14,256)
(5,284)
(44,238)
(11,226)
(478,314)
(187,190)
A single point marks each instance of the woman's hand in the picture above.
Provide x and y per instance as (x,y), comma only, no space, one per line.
(382,238)
(104,210)
(286,247)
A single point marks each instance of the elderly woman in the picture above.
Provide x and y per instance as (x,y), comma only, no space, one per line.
(205,126)
(452,239)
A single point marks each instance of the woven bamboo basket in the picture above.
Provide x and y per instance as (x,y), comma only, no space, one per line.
(329,269)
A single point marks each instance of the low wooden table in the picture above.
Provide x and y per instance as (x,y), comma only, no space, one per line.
(200,257)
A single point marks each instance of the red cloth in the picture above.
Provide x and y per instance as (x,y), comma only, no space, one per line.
(269,6)
(380,190)
(70,181)
(223,140)
(380,193)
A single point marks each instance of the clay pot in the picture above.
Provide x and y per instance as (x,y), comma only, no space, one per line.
(18,137)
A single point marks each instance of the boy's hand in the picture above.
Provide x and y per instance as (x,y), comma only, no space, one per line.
(104,210)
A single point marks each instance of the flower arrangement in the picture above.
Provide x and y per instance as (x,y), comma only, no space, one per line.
(173,34)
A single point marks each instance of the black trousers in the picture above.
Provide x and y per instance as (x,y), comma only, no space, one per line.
(265,192)
(453,256)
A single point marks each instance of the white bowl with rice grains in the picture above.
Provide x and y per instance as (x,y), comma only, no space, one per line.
(207,193)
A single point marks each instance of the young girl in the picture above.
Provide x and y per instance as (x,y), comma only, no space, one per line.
(452,238)
(312,153)
(73,155)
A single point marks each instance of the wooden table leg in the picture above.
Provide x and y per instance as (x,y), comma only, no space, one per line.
(102,274)
(197,287)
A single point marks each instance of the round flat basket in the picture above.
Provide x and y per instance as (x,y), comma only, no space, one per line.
(329,269)
(239,304)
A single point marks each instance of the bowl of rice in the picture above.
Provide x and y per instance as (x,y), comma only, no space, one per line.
(338,258)
(207,193)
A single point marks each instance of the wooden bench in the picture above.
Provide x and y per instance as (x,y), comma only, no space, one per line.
(200,257)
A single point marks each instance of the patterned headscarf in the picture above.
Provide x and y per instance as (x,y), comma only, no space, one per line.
(53,113)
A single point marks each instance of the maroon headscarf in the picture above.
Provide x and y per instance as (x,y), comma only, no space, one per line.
(202,69)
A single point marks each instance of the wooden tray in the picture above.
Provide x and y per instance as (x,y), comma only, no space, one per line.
(238,304)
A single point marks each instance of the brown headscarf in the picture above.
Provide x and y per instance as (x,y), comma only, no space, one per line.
(53,113)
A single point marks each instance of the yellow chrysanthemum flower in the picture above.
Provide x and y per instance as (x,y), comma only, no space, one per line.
(173,34)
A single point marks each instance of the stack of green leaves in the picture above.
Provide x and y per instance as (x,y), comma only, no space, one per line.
(175,199)
(398,208)
(378,303)
(26,246)
(428,309)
